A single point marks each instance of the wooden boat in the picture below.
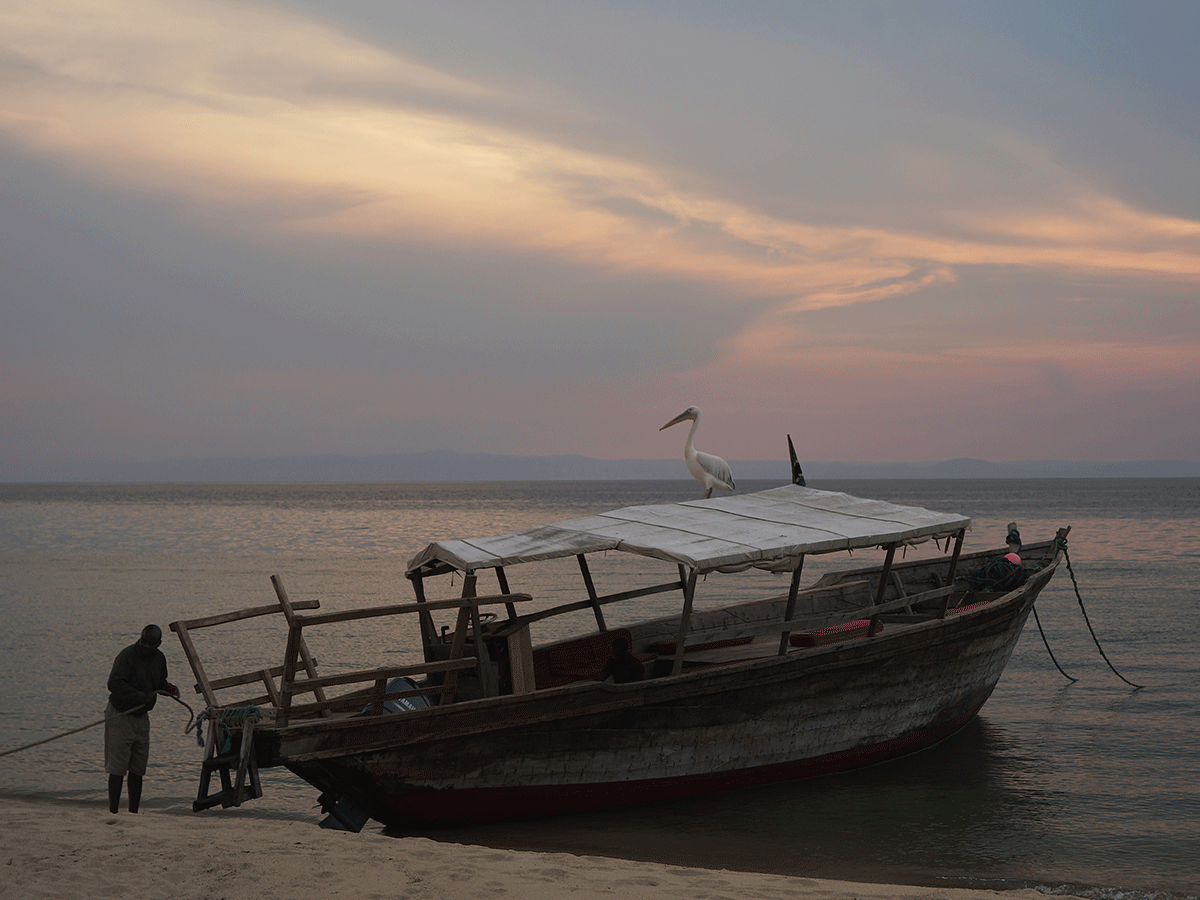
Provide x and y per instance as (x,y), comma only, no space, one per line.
(861,666)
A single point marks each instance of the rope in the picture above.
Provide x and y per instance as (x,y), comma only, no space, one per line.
(1047,643)
(191,712)
(1061,543)
(233,716)
(72,731)
(99,722)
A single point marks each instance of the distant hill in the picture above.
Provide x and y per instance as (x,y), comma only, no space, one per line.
(449,465)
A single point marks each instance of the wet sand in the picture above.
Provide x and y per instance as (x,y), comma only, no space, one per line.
(68,851)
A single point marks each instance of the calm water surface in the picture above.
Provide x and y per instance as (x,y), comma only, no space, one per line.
(1090,786)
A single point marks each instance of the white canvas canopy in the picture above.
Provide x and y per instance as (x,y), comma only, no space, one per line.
(768,529)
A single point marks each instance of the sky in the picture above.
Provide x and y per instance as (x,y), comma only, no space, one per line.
(900,232)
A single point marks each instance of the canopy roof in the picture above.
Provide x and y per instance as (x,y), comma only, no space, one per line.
(768,529)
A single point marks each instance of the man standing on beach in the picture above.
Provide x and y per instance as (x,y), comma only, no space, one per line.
(138,672)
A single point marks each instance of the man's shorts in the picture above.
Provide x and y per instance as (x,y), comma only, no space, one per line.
(126,742)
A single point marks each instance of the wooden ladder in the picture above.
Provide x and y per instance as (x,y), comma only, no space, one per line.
(237,767)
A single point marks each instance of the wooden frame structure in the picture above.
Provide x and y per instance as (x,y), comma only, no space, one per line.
(232,756)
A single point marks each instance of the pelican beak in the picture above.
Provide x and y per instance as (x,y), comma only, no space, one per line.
(686,414)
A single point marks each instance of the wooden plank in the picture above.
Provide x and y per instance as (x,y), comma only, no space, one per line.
(689,592)
(793,593)
(483,661)
(225,618)
(264,700)
(958,544)
(502,579)
(245,678)
(290,655)
(268,680)
(606,599)
(450,686)
(393,609)
(591,591)
(244,759)
(448,665)
(883,581)
(810,623)
(520,659)
(310,664)
(189,650)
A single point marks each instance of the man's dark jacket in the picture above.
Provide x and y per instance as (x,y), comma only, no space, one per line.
(133,676)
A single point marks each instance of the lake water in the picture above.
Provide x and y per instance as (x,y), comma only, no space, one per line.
(1091,787)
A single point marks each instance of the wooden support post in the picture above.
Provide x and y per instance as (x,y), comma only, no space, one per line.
(689,592)
(301,648)
(502,580)
(244,761)
(272,691)
(210,745)
(958,544)
(883,583)
(793,592)
(900,591)
(483,660)
(288,678)
(591,589)
(520,660)
(429,635)
(377,703)
(193,658)
(234,788)
(450,685)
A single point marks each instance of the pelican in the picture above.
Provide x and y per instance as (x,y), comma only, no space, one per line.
(711,471)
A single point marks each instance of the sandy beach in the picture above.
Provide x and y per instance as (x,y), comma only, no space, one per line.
(66,851)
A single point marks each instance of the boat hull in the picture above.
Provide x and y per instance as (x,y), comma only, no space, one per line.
(596,745)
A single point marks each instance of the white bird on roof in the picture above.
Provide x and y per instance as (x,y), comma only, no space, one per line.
(711,471)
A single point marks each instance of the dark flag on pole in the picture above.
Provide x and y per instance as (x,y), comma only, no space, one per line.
(797,472)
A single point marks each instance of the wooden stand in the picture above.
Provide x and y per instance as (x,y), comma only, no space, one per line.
(234,790)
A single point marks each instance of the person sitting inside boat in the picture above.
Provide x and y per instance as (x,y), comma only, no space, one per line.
(623,667)
(1004,573)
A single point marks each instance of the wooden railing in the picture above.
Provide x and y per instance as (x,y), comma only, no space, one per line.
(298,674)
(811,622)
(209,687)
(375,692)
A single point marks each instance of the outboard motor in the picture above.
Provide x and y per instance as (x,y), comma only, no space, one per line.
(401,704)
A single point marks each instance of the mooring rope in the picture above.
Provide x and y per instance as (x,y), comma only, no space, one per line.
(1061,543)
(101,722)
(1047,643)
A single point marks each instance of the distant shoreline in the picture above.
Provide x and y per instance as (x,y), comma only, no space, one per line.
(449,465)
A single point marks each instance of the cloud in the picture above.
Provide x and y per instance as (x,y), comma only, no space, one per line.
(258,113)
(227,222)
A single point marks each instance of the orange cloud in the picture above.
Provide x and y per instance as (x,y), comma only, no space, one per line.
(261,113)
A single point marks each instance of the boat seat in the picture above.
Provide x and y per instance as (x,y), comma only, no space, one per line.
(582,659)
(834,634)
